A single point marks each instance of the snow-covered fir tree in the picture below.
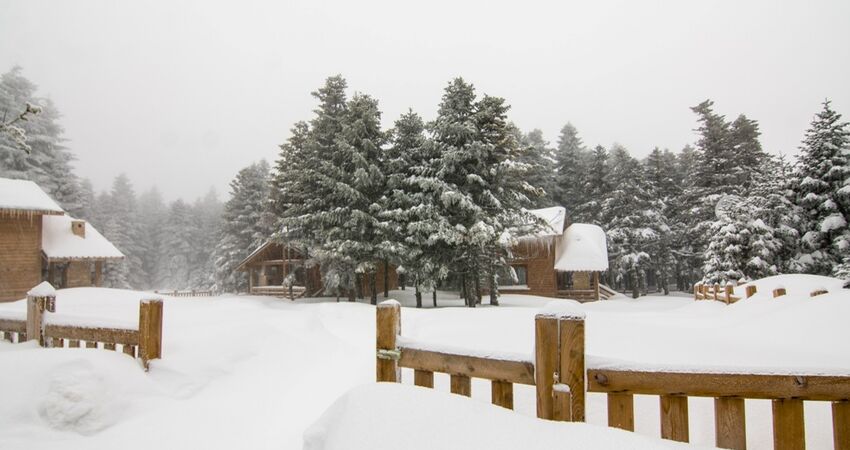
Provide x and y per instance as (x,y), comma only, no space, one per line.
(120,225)
(571,170)
(245,225)
(822,189)
(48,161)
(536,152)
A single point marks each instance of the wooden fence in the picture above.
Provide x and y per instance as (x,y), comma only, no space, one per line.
(558,373)
(144,342)
(187,293)
(726,295)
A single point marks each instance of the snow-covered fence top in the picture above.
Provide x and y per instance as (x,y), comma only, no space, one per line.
(727,293)
(142,339)
(558,373)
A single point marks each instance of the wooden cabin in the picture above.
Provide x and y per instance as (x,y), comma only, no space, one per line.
(38,242)
(269,266)
(563,260)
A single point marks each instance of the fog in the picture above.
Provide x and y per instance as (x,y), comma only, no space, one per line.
(182,94)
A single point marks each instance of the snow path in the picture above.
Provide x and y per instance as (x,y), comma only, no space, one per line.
(251,372)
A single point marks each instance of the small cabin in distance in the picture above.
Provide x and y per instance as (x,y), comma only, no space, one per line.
(39,242)
(270,265)
(563,260)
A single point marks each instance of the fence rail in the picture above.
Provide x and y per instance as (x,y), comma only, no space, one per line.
(187,293)
(144,342)
(713,292)
(558,374)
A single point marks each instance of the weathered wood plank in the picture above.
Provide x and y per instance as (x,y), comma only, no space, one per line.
(91,344)
(621,411)
(129,350)
(15,326)
(829,388)
(109,346)
(546,340)
(150,331)
(492,369)
(461,384)
(73,343)
(572,364)
(562,403)
(730,430)
(674,417)
(424,378)
(502,393)
(788,425)
(114,335)
(388,326)
(841,424)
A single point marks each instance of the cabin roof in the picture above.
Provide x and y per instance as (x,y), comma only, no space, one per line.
(23,196)
(59,243)
(582,248)
(554,217)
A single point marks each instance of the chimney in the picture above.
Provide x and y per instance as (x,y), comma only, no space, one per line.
(78,227)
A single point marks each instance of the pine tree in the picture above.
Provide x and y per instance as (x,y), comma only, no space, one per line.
(596,187)
(822,189)
(244,225)
(48,161)
(536,153)
(121,227)
(571,171)
(151,217)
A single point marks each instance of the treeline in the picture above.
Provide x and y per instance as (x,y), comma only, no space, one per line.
(166,245)
(437,198)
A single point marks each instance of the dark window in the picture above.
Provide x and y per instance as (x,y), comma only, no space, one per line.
(521,277)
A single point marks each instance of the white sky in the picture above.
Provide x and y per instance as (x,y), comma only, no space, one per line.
(183,94)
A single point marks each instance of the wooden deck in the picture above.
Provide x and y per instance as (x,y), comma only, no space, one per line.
(280,291)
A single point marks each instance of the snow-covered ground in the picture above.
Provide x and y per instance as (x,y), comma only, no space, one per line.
(254,372)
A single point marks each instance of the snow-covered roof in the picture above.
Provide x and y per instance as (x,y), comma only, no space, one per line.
(23,196)
(582,248)
(60,243)
(554,217)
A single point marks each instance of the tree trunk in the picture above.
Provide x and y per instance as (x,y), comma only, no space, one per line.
(477,287)
(463,290)
(401,281)
(358,285)
(386,279)
(373,288)
(494,290)
(352,296)
(434,296)
(635,284)
(418,294)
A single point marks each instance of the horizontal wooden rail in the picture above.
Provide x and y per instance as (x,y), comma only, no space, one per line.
(521,372)
(801,387)
(13,326)
(92,334)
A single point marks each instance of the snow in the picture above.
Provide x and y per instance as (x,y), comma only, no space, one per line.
(256,372)
(25,196)
(554,218)
(583,247)
(392,416)
(44,289)
(59,242)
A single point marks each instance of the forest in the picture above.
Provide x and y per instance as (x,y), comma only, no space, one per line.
(444,199)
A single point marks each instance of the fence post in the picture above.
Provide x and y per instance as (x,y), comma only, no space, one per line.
(697,288)
(150,330)
(545,362)
(39,299)
(716,290)
(778,292)
(751,290)
(572,371)
(388,324)
(728,292)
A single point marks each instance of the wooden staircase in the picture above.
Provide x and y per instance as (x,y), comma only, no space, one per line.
(606,292)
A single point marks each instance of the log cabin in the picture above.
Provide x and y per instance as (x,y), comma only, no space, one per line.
(38,242)
(563,260)
(280,270)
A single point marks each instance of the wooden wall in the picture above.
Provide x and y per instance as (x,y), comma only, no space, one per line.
(78,274)
(20,255)
(379,281)
(539,261)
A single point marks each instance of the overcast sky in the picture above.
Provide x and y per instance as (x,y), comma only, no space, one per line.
(181,95)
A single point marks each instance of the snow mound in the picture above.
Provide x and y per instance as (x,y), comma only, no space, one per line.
(796,285)
(392,416)
(77,399)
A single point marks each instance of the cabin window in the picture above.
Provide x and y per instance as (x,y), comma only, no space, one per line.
(565,280)
(521,274)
